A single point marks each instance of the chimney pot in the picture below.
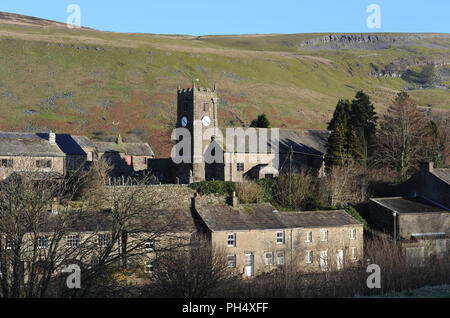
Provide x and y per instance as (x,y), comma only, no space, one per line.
(52,137)
(427,166)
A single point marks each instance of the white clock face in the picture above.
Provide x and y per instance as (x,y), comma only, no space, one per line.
(206,121)
(184,121)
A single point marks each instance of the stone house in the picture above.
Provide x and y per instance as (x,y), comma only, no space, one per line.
(124,156)
(88,147)
(43,153)
(420,218)
(257,238)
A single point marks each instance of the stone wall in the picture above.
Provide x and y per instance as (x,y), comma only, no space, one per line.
(173,196)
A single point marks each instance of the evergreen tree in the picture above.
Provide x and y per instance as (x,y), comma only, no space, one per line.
(353,146)
(341,114)
(336,147)
(363,120)
(261,122)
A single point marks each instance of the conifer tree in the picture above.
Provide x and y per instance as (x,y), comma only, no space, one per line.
(336,147)
(341,114)
(261,122)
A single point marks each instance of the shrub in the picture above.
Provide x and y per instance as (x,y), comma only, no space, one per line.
(214,187)
(248,191)
(352,211)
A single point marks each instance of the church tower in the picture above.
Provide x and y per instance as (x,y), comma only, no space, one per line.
(197,111)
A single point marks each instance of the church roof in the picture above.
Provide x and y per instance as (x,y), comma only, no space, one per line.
(128,148)
(302,141)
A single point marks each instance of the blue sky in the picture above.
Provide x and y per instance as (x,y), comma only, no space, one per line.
(202,17)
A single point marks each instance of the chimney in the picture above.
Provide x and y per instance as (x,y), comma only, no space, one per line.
(195,201)
(233,200)
(119,139)
(52,137)
(426,166)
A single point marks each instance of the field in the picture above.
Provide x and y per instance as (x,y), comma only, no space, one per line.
(101,83)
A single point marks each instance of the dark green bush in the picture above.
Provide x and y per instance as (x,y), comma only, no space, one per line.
(352,211)
(214,187)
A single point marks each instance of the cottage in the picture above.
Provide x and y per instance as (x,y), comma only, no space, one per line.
(258,238)
(44,153)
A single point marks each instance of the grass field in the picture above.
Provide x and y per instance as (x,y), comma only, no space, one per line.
(83,81)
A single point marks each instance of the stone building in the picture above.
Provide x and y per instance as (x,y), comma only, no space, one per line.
(236,152)
(125,157)
(88,147)
(43,153)
(257,238)
(420,218)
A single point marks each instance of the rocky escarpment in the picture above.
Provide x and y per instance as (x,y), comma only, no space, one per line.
(371,41)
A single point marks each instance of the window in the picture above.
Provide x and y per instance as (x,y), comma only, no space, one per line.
(103,240)
(324,235)
(6,163)
(309,257)
(232,240)
(268,258)
(308,237)
(280,237)
(280,258)
(353,234)
(240,166)
(185,107)
(42,242)
(354,253)
(324,260)
(150,245)
(149,266)
(231,261)
(206,107)
(43,163)
(72,240)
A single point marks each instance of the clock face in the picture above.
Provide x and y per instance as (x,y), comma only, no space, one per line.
(206,121)
(184,121)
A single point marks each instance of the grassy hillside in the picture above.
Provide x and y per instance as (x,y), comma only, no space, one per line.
(98,83)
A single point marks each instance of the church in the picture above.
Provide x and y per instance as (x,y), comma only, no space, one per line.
(206,151)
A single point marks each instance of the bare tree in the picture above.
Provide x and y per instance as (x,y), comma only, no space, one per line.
(192,272)
(401,136)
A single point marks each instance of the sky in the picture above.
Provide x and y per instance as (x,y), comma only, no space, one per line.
(207,17)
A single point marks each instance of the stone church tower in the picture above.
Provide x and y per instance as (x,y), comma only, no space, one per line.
(197,111)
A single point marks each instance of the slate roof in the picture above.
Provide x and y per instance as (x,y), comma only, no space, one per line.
(443,174)
(83,141)
(302,141)
(66,143)
(158,221)
(408,205)
(27,144)
(263,217)
(128,148)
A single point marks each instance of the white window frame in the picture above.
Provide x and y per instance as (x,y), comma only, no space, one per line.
(354,253)
(149,266)
(268,260)
(353,234)
(72,240)
(231,260)
(324,235)
(280,258)
(278,237)
(42,239)
(231,237)
(324,260)
(309,257)
(150,245)
(103,239)
(308,237)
